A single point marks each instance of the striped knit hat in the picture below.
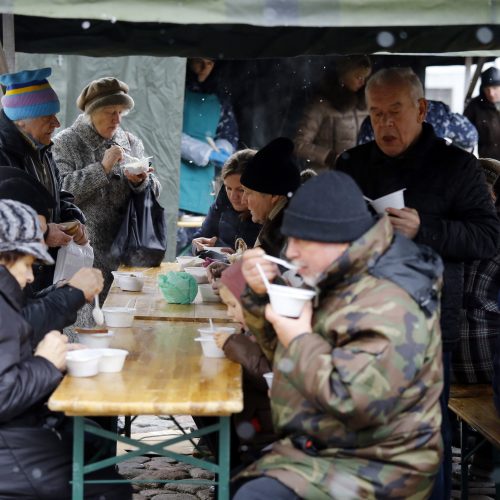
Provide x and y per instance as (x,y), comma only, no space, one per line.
(20,231)
(29,94)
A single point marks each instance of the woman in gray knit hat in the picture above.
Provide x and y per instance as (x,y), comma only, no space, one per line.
(91,154)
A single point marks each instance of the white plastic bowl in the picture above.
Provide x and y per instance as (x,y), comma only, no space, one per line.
(119,317)
(132,282)
(137,165)
(269,378)
(207,293)
(198,273)
(289,301)
(112,360)
(208,333)
(95,340)
(391,200)
(189,261)
(83,363)
(210,349)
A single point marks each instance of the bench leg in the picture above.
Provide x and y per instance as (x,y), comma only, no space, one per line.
(224,457)
(464,469)
(78,457)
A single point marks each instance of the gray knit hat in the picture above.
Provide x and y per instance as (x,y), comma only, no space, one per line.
(20,231)
(329,208)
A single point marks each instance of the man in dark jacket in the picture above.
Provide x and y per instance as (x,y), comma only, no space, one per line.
(270,178)
(27,121)
(483,112)
(451,210)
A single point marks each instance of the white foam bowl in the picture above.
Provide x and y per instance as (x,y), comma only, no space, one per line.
(129,281)
(391,200)
(83,362)
(137,166)
(207,293)
(95,340)
(289,301)
(208,333)
(112,360)
(198,273)
(269,378)
(209,347)
(120,317)
(189,261)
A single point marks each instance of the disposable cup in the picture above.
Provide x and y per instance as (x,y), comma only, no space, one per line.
(83,363)
(209,332)
(209,347)
(269,378)
(112,360)
(289,301)
(207,293)
(391,200)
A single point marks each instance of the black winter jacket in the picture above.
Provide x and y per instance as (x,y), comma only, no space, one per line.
(444,184)
(486,118)
(226,223)
(16,151)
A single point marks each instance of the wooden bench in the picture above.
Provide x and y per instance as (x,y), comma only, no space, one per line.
(473,405)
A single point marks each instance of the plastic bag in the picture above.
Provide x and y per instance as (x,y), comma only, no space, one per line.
(178,287)
(71,258)
(142,237)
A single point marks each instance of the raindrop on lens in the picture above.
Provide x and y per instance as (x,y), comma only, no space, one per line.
(484,35)
(86,25)
(113,19)
(36,473)
(245,431)
(285,365)
(385,39)
(403,35)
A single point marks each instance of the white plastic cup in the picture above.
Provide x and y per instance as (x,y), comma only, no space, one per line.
(208,333)
(289,301)
(207,293)
(119,317)
(198,273)
(112,360)
(391,200)
(83,363)
(209,347)
(95,340)
(269,378)
(131,283)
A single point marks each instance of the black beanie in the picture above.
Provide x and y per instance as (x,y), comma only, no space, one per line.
(272,169)
(15,184)
(329,208)
(490,78)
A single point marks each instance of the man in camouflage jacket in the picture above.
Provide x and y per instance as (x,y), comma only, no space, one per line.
(357,377)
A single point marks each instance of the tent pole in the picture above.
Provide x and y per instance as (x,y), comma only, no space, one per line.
(9,47)
(475,78)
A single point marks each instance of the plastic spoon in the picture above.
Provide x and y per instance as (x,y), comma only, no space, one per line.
(264,277)
(212,144)
(97,313)
(367,199)
(280,262)
(211,324)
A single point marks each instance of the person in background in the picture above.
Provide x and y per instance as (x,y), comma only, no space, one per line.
(35,444)
(472,361)
(357,376)
(90,155)
(447,205)
(330,124)
(27,122)
(209,137)
(452,127)
(483,111)
(228,218)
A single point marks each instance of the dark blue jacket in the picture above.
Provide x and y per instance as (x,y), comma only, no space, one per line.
(227,224)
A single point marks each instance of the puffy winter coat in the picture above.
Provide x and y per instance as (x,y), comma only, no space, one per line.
(357,400)
(227,224)
(486,118)
(324,132)
(444,184)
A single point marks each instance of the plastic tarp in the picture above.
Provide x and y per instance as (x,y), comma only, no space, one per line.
(157,87)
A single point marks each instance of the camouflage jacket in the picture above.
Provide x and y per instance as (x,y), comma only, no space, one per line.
(356,401)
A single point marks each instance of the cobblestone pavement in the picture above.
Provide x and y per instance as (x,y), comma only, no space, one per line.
(163,468)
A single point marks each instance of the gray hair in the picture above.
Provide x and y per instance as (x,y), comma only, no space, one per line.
(403,77)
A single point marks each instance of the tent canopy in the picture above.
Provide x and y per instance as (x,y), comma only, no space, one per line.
(236,29)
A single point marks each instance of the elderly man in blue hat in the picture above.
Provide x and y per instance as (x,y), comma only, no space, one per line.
(27,122)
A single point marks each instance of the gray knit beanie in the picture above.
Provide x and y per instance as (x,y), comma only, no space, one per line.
(329,208)
(20,231)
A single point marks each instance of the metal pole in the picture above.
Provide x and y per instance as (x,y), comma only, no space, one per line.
(9,44)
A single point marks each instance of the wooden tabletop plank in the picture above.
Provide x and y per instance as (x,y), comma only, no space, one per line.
(165,373)
(150,304)
(470,390)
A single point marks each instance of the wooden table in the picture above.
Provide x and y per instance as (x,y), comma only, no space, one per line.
(151,305)
(165,373)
